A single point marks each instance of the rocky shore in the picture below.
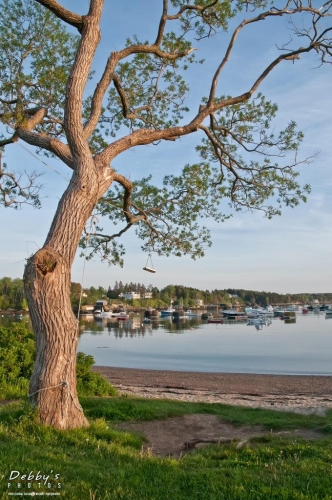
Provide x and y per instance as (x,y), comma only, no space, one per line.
(297,393)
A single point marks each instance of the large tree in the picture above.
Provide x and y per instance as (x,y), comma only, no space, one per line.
(139,98)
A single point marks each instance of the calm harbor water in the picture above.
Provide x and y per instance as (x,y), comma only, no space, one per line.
(300,348)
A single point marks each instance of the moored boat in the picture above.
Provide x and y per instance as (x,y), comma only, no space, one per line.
(233,315)
(114,314)
(259,311)
(167,312)
(106,314)
(191,313)
(151,313)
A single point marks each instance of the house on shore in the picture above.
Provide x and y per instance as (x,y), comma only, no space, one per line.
(136,295)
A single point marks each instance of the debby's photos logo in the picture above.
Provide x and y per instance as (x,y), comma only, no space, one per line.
(37,481)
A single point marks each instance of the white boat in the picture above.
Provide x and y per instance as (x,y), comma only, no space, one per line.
(113,314)
(259,311)
(106,314)
(278,311)
(228,312)
(294,308)
(191,313)
(120,314)
(232,314)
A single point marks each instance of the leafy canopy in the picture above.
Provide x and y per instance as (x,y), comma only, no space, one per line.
(140,97)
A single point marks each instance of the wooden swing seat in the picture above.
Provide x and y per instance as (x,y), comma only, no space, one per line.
(149,269)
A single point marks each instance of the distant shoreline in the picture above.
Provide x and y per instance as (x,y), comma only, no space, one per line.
(300,393)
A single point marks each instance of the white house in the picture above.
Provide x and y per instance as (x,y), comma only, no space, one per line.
(131,295)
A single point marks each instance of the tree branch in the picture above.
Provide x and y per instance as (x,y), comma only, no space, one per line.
(98,95)
(128,188)
(162,23)
(12,101)
(5,142)
(261,17)
(54,146)
(108,76)
(197,8)
(78,77)
(290,56)
(65,15)
(14,192)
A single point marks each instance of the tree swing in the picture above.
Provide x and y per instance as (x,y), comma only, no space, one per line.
(148,268)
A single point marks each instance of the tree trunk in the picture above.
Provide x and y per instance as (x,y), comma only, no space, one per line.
(47,286)
(53,383)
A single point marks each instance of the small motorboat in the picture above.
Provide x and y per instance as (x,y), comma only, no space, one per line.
(191,313)
(167,312)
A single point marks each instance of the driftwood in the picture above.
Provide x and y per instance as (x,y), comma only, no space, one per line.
(190,445)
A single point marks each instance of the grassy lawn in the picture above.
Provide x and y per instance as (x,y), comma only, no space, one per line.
(104,463)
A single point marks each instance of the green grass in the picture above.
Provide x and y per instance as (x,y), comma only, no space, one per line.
(14,390)
(121,409)
(103,463)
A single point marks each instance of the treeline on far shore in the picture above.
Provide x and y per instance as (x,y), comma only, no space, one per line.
(12,296)
(191,297)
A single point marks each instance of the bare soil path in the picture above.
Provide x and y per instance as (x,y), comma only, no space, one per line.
(178,435)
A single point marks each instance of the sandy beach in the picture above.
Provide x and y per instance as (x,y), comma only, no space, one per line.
(298,393)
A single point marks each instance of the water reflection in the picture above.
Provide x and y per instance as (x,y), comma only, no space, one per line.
(297,345)
(136,326)
(274,346)
(259,323)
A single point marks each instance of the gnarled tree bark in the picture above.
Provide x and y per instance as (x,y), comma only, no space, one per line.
(47,287)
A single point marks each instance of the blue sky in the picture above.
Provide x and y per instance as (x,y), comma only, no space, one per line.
(288,254)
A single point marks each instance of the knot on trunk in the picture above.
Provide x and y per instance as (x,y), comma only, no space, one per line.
(45,262)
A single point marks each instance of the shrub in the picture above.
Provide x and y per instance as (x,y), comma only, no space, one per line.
(88,382)
(17,354)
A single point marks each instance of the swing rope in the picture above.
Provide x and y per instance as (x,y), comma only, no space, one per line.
(87,241)
(148,268)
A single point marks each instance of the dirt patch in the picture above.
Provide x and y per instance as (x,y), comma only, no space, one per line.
(174,436)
